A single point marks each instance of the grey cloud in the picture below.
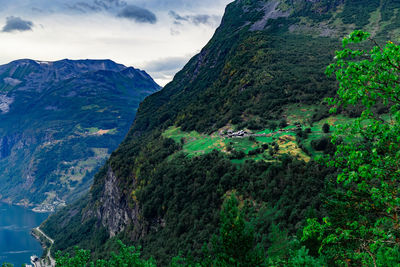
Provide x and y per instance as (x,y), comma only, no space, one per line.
(108,4)
(84,7)
(138,14)
(174,31)
(38,10)
(178,17)
(97,5)
(119,8)
(194,19)
(17,24)
(165,66)
(187,5)
(202,19)
(164,69)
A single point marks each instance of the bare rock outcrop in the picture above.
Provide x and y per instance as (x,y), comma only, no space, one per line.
(115,213)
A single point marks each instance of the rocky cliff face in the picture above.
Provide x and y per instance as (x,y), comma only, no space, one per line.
(59,121)
(115,211)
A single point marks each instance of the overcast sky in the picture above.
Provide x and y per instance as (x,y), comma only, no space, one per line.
(158,36)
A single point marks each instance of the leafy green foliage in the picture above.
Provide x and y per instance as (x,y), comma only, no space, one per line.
(325,128)
(235,244)
(363,226)
(126,257)
(190,214)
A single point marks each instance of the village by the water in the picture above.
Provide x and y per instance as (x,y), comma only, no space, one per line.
(46,260)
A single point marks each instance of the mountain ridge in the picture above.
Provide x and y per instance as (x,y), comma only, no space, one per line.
(49,106)
(168,200)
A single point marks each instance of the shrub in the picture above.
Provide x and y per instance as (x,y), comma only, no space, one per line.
(326,128)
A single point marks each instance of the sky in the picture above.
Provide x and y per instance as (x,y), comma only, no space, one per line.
(159,36)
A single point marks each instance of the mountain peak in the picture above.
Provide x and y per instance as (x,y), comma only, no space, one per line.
(92,64)
(47,108)
(24,72)
(82,65)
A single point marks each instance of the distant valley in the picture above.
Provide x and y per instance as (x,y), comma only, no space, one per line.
(59,122)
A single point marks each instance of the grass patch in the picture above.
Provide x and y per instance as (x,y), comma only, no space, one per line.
(299,113)
(195,144)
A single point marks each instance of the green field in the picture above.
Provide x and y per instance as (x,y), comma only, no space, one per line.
(194,143)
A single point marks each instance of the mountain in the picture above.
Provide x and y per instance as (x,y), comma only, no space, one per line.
(59,121)
(245,115)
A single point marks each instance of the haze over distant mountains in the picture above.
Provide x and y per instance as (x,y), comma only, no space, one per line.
(59,121)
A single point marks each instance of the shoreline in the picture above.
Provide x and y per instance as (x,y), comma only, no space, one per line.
(46,260)
(41,208)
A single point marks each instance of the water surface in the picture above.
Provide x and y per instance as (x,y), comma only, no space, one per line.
(16,242)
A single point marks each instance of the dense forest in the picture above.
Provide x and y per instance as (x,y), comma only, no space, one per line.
(314,181)
(357,224)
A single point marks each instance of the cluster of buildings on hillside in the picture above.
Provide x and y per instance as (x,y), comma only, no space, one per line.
(50,207)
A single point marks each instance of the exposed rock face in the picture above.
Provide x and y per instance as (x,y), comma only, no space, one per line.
(271,12)
(5,103)
(114,213)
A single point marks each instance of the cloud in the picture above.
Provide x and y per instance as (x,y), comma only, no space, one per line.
(178,17)
(17,24)
(108,4)
(174,32)
(97,5)
(75,34)
(38,10)
(138,14)
(194,19)
(84,7)
(167,64)
(199,6)
(163,69)
(203,19)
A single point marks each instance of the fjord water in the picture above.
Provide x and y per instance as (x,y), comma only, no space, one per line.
(16,242)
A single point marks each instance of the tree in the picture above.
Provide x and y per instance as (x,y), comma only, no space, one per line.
(363,226)
(81,259)
(235,245)
(283,123)
(326,128)
(127,256)
(272,125)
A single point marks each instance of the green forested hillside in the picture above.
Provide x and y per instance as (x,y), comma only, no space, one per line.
(59,121)
(262,72)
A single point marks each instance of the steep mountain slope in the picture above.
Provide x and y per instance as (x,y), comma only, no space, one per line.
(264,66)
(59,121)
